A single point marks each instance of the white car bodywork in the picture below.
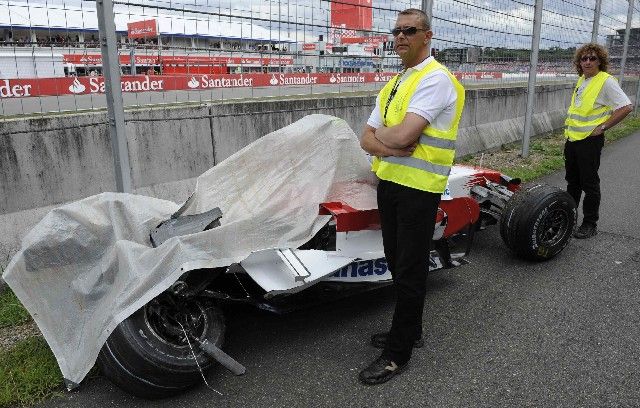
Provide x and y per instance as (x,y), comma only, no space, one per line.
(358,256)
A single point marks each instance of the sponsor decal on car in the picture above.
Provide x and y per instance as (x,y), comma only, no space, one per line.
(369,270)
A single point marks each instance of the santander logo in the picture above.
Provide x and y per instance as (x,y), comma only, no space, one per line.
(12,90)
(383,78)
(273,80)
(141,31)
(131,84)
(193,83)
(77,87)
(346,78)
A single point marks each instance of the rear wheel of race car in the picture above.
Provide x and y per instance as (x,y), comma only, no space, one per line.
(149,355)
(537,222)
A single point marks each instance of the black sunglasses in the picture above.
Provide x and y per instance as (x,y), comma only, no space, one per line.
(589,58)
(406,31)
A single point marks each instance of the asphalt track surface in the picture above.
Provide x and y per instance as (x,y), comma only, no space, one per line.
(499,332)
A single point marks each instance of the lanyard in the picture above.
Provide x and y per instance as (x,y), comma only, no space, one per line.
(394,90)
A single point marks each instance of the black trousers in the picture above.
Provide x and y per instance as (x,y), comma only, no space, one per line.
(581,163)
(407,218)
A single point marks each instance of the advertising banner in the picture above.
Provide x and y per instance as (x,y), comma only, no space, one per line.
(352,14)
(24,88)
(96,59)
(375,40)
(142,29)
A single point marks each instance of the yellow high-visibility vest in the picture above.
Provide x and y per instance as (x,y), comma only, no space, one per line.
(581,120)
(428,168)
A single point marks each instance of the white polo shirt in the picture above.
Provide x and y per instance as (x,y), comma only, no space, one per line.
(434,99)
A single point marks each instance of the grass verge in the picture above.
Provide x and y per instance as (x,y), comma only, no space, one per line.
(28,373)
(28,370)
(12,313)
(545,153)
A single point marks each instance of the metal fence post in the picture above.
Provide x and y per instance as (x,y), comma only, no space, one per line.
(427,7)
(627,31)
(115,107)
(132,60)
(637,102)
(531,87)
(596,22)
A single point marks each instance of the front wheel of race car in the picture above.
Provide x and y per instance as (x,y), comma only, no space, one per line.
(152,354)
(537,222)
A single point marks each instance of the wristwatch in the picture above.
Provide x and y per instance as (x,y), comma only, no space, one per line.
(603,128)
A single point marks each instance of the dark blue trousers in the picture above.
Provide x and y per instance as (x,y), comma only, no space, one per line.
(581,163)
(407,217)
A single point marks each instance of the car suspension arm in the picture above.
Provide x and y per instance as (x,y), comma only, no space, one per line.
(221,357)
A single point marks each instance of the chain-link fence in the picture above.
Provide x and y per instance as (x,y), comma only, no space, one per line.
(213,50)
(496,36)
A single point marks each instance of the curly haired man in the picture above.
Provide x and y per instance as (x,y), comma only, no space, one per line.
(598,103)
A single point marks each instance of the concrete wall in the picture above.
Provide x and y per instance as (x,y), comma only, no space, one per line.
(494,117)
(51,160)
(47,161)
(234,126)
(165,147)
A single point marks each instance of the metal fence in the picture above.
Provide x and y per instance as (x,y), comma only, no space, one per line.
(77,55)
(201,50)
(475,37)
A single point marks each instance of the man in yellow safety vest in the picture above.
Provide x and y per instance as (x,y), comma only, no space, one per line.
(598,103)
(412,133)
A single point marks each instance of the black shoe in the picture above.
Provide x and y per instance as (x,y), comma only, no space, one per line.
(380,371)
(379,340)
(586,230)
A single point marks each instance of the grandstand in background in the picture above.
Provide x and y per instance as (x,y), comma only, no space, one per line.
(169,44)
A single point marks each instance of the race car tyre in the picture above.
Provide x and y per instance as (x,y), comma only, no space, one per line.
(537,222)
(511,212)
(149,354)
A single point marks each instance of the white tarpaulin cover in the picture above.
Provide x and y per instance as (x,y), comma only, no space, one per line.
(88,265)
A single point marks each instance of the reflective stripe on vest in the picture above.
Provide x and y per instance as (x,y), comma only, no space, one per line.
(429,166)
(581,120)
(588,118)
(437,142)
(419,164)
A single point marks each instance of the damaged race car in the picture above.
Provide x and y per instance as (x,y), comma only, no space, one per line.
(138,284)
(165,347)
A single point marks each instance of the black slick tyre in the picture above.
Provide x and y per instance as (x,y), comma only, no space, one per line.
(148,354)
(537,222)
